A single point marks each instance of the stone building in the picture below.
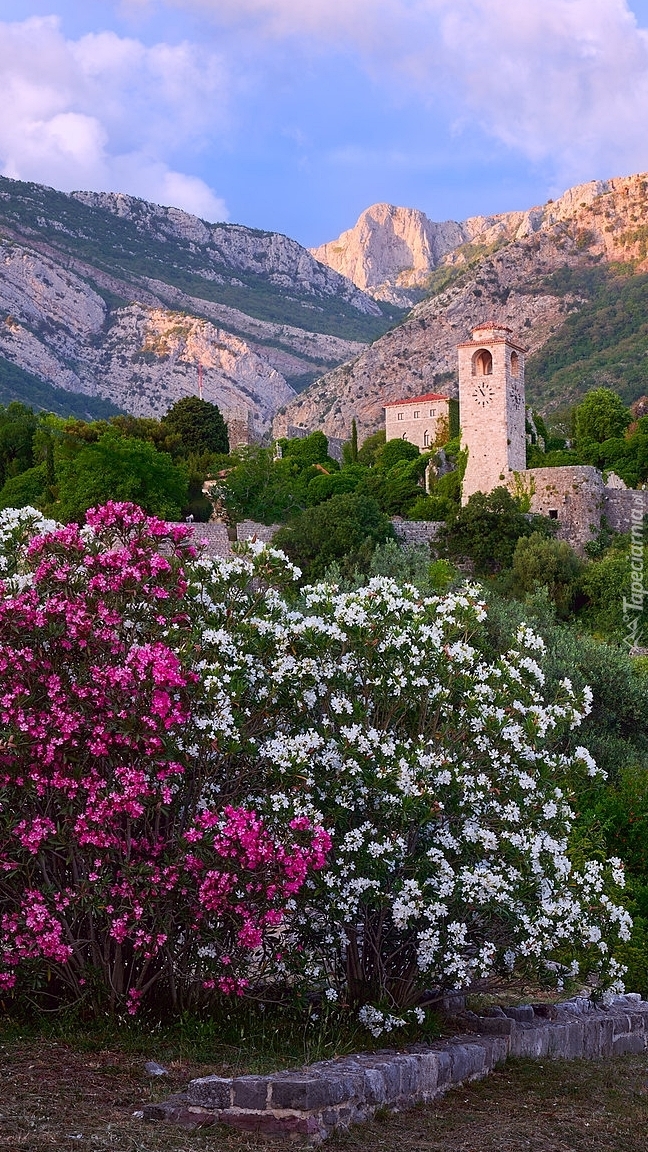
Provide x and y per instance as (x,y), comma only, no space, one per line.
(492,412)
(418,420)
(492,409)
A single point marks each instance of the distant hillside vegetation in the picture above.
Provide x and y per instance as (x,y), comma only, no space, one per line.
(602,342)
(16,384)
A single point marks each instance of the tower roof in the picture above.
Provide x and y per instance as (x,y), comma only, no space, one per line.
(492,324)
(493,333)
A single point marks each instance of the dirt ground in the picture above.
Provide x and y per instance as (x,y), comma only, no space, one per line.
(55,1097)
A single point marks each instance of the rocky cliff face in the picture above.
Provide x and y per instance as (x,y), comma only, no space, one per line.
(505,272)
(110,296)
(391,252)
(141,357)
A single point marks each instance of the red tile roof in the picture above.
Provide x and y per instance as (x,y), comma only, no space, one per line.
(416,400)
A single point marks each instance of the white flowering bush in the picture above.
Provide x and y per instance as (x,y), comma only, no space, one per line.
(440,775)
(435,779)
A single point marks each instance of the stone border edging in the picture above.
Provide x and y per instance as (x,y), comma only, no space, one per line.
(313,1102)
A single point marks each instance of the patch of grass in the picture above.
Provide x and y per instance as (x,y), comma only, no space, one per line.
(243,1037)
(55,1095)
(527,1106)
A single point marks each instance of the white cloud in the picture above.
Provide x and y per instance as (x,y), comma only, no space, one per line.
(563,81)
(107,113)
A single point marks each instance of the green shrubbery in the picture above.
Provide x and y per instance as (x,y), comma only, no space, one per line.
(65,466)
(604,435)
(345,528)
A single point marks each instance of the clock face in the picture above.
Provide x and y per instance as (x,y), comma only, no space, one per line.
(483,394)
(516,397)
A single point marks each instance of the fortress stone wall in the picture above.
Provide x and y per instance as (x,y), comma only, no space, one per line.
(416,533)
(572,496)
(252,530)
(624,506)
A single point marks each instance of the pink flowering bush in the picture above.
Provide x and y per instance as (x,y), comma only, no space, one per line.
(126,863)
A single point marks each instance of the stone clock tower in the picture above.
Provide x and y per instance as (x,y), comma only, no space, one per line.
(491,408)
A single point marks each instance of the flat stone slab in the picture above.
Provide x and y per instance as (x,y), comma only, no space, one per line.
(316,1101)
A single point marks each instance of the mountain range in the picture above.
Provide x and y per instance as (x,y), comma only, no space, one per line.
(110,303)
(569,277)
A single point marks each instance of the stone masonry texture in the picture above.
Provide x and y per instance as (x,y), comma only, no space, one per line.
(416,533)
(573,496)
(311,1103)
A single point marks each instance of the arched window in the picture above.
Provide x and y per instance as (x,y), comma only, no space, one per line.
(426,439)
(482,363)
(515,364)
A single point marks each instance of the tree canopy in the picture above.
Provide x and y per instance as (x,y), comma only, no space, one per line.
(601,416)
(486,531)
(347,527)
(121,468)
(199,425)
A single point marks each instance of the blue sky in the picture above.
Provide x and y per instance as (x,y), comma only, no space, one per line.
(295,115)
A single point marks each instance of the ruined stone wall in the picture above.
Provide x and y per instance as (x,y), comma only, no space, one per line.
(250,530)
(415,533)
(215,536)
(240,430)
(311,1103)
(622,507)
(573,496)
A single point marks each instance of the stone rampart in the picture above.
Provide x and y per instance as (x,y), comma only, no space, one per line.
(572,496)
(215,535)
(250,530)
(313,1102)
(623,507)
(416,533)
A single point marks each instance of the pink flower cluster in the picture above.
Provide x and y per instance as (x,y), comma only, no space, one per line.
(113,873)
(256,873)
(31,932)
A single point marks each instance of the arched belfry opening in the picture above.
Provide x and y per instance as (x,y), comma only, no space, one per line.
(482,363)
(515,364)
